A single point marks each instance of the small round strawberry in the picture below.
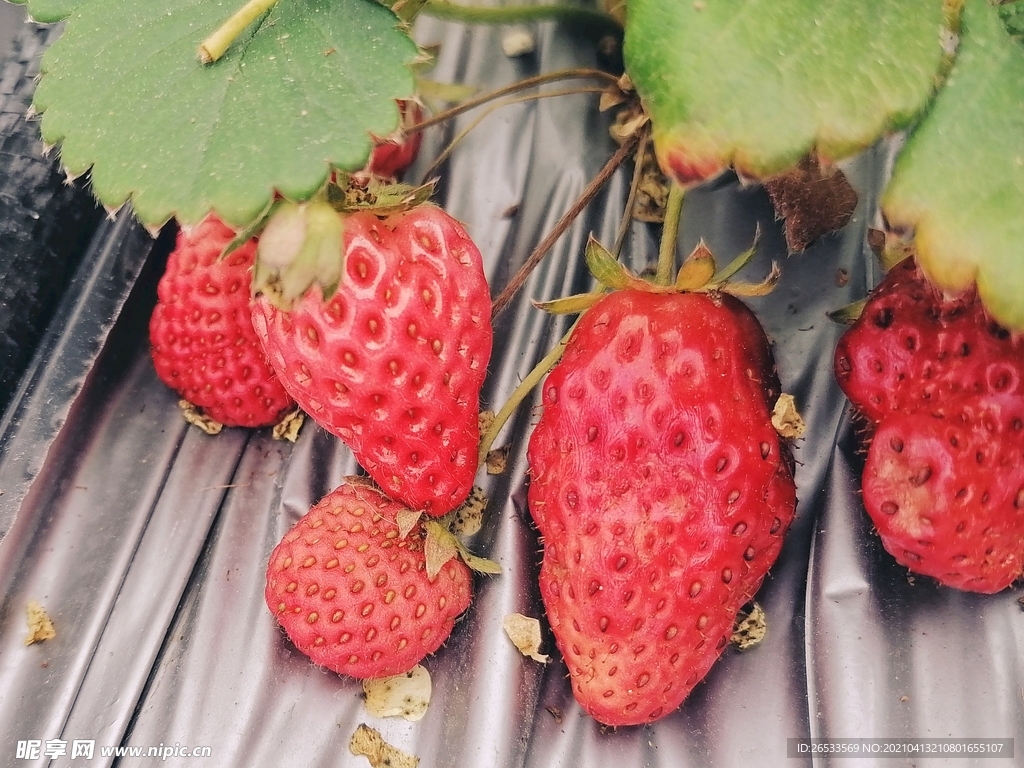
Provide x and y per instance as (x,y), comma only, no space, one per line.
(202,341)
(945,489)
(353,594)
(393,362)
(911,346)
(662,492)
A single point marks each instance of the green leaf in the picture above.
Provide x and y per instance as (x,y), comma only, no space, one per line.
(294,97)
(1012,15)
(758,84)
(959,180)
(50,11)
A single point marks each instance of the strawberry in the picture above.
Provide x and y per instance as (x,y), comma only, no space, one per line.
(911,346)
(353,594)
(945,489)
(661,491)
(941,386)
(397,151)
(393,362)
(202,340)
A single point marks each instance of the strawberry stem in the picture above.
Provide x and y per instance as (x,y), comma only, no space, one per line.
(519,279)
(533,378)
(522,85)
(494,107)
(669,235)
(213,47)
(522,14)
(634,189)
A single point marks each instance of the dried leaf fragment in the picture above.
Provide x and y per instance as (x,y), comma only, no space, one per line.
(813,199)
(288,427)
(370,744)
(652,191)
(439,547)
(407,520)
(751,628)
(484,421)
(786,419)
(469,518)
(40,627)
(524,632)
(497,461)
(406,695)
(193,416)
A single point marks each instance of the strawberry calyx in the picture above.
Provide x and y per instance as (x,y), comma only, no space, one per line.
(377,195)
(442,540)
(302,244)
(699,273)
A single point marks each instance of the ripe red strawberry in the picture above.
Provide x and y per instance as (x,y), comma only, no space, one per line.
(912,346)
(202,340)
(662,493)
(942,388)
(393,363)
(945,488)
(354,596)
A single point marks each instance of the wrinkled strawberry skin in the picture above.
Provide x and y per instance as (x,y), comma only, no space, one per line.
(661,491)
(912,347)
(201,337)
(354,596)
(393,363)
(945,489)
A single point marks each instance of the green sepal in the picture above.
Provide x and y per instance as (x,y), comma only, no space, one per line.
(442,545)
(610,272)
(250,231)
(570,305)
(741,261)
(740,288)
(698,269)
(849,314)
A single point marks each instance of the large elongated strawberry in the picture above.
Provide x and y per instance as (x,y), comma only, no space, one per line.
(394,361)
(202,340)
(912,346)
(353,593)
(944,486)
(661,491)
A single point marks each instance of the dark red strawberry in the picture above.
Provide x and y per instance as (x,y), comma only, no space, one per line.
(945,488)
(397,151)
(393,363)
(202,340)
(354,595)
(661,491)
(912,346)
